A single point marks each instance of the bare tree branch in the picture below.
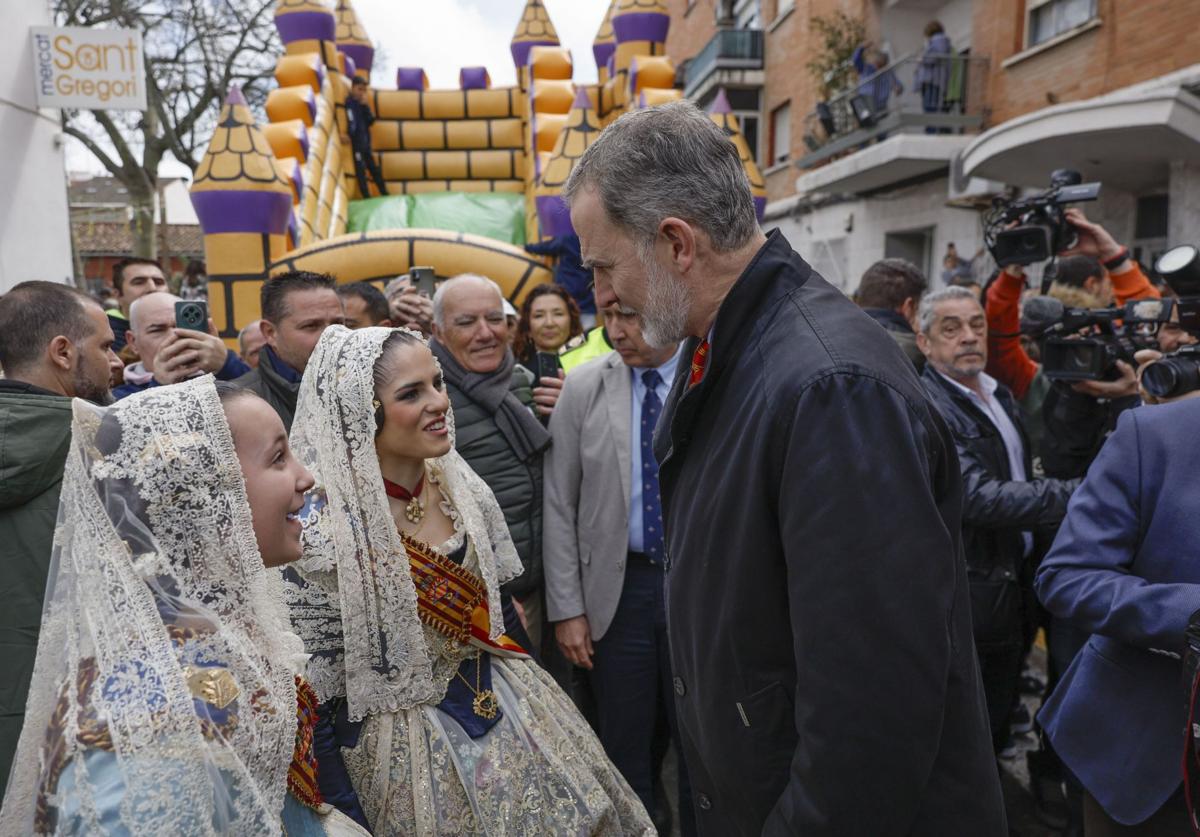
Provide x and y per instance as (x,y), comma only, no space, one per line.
(194,50)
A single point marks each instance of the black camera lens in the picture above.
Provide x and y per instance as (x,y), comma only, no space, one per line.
(1171,377)
(1081,358)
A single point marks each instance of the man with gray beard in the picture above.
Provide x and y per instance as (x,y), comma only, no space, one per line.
(816,593)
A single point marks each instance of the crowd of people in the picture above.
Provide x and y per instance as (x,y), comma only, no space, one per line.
(410,564)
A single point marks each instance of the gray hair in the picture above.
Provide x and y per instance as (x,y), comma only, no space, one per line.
(929,303)
(668,161)
(439,295)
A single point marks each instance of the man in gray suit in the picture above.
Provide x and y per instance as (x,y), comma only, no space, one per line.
(603,546)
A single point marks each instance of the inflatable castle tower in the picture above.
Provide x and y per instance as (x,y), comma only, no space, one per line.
(472,173)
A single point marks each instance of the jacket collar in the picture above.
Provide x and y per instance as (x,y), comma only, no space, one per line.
(891,320)
(21,388)
(277,369)
(764,280)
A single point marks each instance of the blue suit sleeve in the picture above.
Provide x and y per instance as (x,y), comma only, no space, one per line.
(234,367)
(332,777)
(1089,579)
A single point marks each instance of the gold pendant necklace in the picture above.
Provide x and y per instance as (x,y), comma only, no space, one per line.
(486,704)
(415,510)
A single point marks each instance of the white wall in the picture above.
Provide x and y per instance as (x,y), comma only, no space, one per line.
(902,25)
(177,203)
(842,255)
(1184,204)
(35,236)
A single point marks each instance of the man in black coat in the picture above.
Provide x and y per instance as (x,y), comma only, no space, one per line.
(817,604)
(1004,504)
(359,120)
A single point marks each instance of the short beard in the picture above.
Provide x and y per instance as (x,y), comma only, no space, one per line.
(88,390)
(668,303)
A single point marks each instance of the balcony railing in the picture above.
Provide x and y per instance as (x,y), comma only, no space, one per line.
(740,49)
(940,94)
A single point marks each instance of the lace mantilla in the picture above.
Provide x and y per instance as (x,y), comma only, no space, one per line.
(165,647)
(352,598)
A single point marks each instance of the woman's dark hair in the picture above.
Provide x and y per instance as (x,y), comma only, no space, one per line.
(384,368)
(523,347)
(933,28)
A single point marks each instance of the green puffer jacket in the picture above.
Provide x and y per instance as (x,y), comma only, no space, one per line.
(35,435)
(516,484)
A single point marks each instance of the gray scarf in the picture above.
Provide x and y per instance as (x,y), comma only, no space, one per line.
(493,392)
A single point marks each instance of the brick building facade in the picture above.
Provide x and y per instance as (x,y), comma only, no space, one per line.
(1106,87)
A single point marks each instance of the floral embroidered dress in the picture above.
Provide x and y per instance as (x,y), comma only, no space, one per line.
(165,697)
(443,723)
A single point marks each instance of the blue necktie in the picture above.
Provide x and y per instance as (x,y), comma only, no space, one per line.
(652,526)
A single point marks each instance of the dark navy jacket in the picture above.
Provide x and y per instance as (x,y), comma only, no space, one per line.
(1124,568)
(817,598)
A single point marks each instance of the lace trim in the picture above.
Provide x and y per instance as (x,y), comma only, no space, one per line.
(370,625)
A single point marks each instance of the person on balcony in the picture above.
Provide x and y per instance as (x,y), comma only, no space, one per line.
(933,72)
(875,80)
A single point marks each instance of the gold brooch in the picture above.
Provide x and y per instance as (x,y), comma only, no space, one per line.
(212,685)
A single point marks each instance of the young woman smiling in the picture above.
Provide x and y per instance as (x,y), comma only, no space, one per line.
(438,720)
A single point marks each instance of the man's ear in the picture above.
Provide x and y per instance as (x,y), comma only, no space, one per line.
(923,343)
(386,324)
(908,310)
(680,240)
(268,332)
(61,353)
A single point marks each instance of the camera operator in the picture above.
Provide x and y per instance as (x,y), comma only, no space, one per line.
(1076,417)
(1121,571)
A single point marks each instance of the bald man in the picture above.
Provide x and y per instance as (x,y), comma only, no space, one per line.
(250,342)
(170,354)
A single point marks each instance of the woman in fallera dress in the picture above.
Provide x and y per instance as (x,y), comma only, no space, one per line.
(165,697)
(435,721)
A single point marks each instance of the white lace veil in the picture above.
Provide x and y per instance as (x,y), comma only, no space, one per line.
(353,600)
(163,698)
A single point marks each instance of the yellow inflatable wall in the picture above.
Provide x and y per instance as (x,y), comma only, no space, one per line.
(275,198)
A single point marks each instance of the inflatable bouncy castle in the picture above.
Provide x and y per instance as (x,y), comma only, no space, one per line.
(472,174)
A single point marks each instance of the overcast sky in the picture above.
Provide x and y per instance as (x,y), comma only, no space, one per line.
(449,34)
(443,36)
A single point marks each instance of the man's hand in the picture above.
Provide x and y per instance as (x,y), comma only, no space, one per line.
(575,639)
(1144,358)
(186,354)
(546,395)
(412,310)
(1093,241)
(1123,387)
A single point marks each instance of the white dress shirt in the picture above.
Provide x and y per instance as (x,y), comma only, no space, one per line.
(991,407)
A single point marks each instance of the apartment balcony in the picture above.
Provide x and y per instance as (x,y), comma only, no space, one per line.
(906,121)
(733,58)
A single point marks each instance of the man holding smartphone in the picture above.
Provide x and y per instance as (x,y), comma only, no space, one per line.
(170,354)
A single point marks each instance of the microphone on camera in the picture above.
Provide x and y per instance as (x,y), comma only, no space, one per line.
(1040,313)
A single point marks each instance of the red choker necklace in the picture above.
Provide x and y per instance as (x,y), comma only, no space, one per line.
(415,510)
